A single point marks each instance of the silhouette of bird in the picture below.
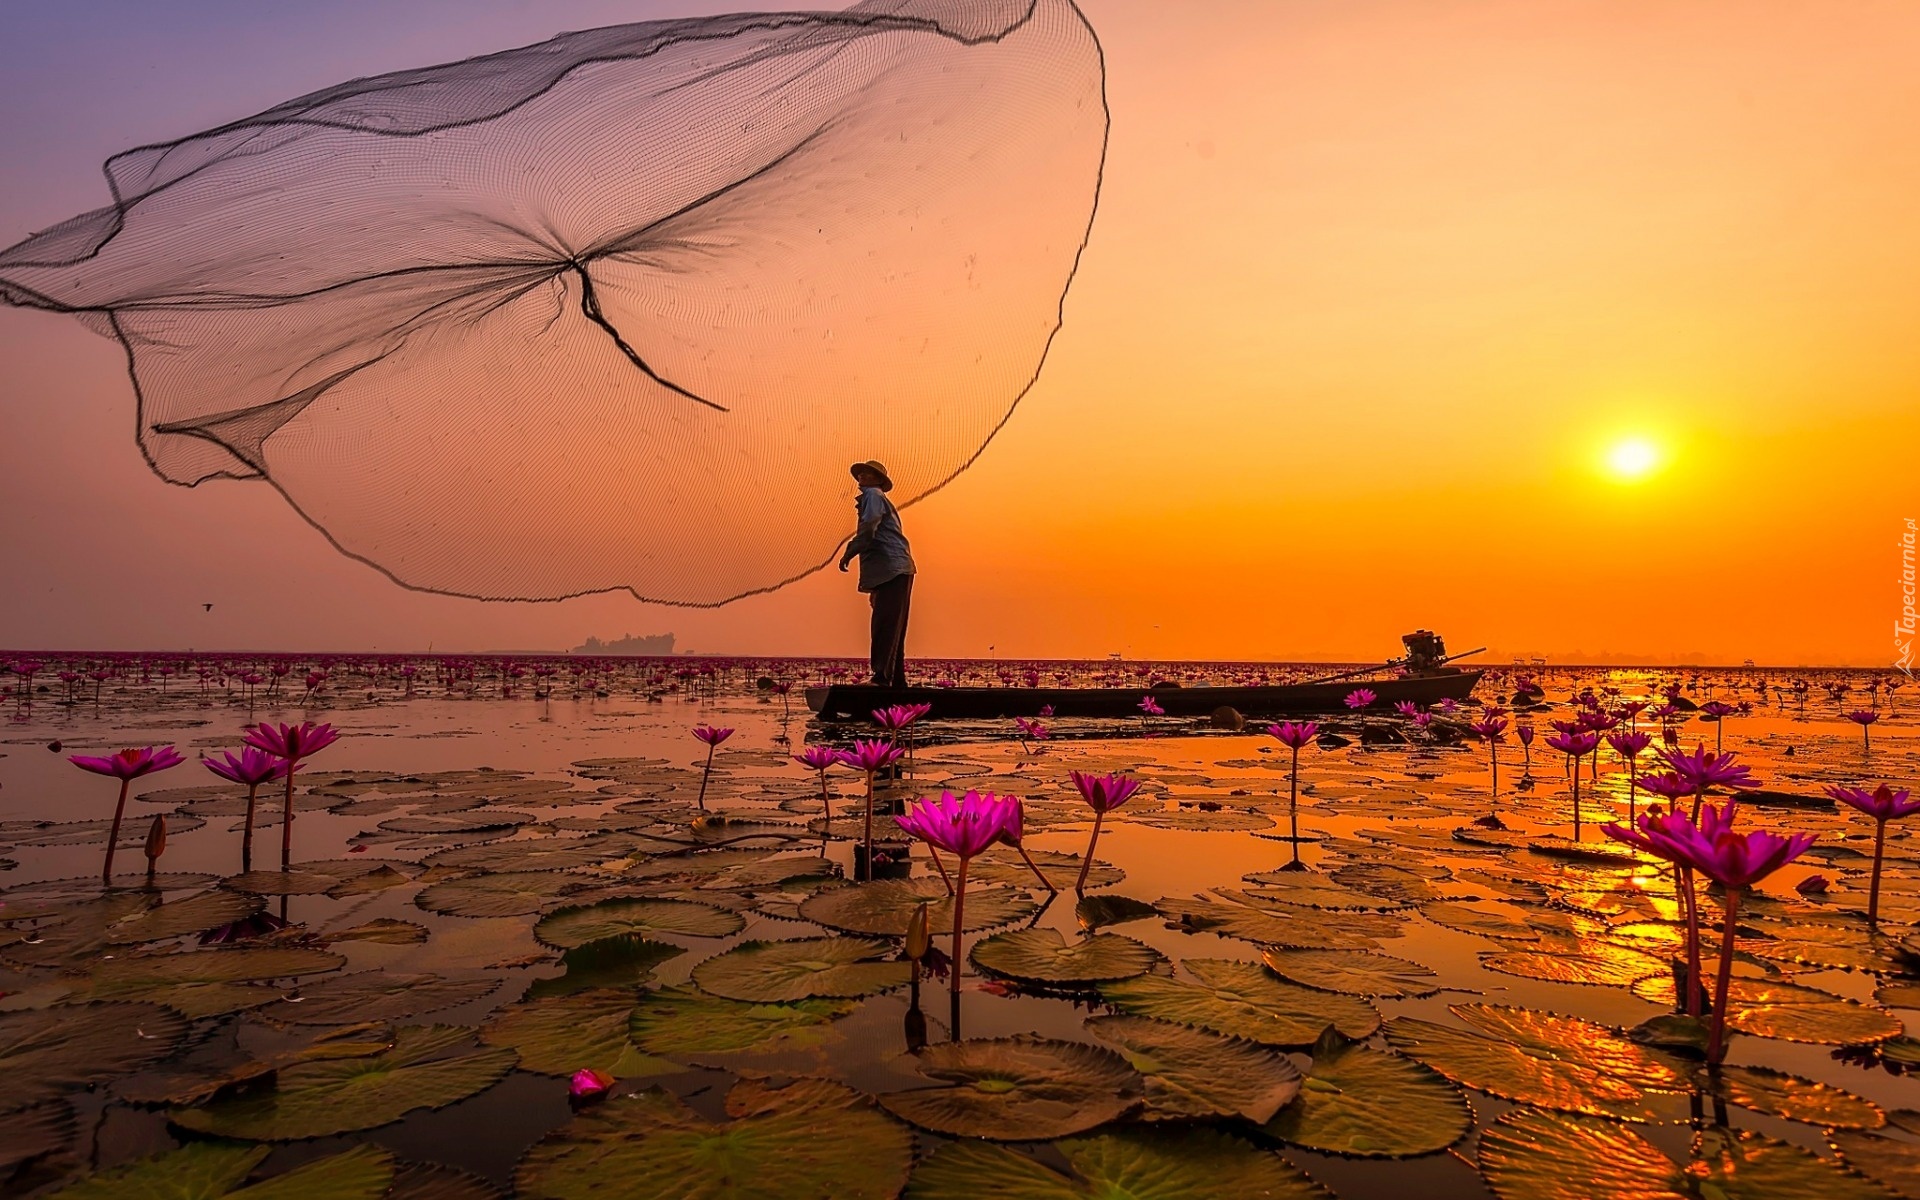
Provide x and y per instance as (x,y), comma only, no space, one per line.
(207,607)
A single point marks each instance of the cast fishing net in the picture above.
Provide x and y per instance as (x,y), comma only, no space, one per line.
(614,310)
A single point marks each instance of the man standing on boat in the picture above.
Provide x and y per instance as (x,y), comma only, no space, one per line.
(886,571)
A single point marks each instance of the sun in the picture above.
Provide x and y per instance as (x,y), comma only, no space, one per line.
(1631,459)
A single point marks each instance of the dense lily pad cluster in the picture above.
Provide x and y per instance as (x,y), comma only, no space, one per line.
(1199,1019)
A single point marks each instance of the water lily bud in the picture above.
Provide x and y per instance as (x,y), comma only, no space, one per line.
(157,837)
(919,934)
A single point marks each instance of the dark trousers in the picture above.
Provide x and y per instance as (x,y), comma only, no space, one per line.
(890,603)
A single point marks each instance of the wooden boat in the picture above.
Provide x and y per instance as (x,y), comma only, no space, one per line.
(856,702)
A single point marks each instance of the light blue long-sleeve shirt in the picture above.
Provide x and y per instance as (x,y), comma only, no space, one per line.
(879,540)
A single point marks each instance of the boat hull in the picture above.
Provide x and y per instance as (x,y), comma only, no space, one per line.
(844,702)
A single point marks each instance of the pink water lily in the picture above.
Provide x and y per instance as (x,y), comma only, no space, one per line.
(1493,730)
(821,759)
(870,756)
(963,826)
(126,766)
(252,767)
(588,1085)
(1575,744)
(1151,707)
(1103,794)
(1360,698)
(1629,745)
(712,737)
(1883,804)
(1864,718)
(1704,770)
(292,743)
(1295,736)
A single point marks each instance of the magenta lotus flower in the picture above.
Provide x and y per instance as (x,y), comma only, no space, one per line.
(1103,794)
(896,717)
(710,735)
(871,757)
(252,767)
(1406,708)
(588,1085)
(1294,736)
(126,766)
(1630,745)
(963,826)
(1574,745)
(1360,698)
(1525,733)
(1704,771)
(1883,804)
(1863,718)
(1151,707)
(1046,710)
(821,759)
(292,743)
(1666,835)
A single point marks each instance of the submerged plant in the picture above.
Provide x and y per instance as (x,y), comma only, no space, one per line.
(963,826)
(712,737)
(291,743)
(1294,735)
(1883,804)
(126,766)
(1103,794)
(253,767)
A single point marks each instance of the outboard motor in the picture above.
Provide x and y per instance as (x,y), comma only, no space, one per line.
(1426,650)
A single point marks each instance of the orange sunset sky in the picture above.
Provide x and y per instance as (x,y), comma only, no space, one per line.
(1587,330)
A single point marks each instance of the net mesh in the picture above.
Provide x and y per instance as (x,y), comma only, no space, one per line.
(611,311)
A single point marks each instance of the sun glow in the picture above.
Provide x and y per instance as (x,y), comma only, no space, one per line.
(1632,458)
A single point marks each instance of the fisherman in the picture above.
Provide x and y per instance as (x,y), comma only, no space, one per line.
(886,571)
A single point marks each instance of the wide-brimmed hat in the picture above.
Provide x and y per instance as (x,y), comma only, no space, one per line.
(886,480)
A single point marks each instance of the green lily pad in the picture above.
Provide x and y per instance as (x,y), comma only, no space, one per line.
(1559,1076)
(1243,1000)
(379,879)
(1353,972)
(1004,865)
(375,996)
(802,969)
(1793,1098)
(1549,1035)
(1017,1089)
(623,961)
(1044,957)
(883,908)
(73,935)
(1371,1104)
(36,1141)
(208,982)
(428,1066)
(1317,891)
(1272,923)
(177,918)
(558,1035)
(1161,1164)
(434,1181)
(1097,912)
(1464,918)
(687,1021)
(384,931)
(282,883)
(1534,1155)
(1893,1163)
(1193,1073)
(45,1053)
(1211,819)
(1790,1012)
(204,1171)
(1603,965)
(807,1140)
(507,894)
(543,854)
(568,928)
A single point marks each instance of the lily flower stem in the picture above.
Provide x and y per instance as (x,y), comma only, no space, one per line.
(1716,1040)
(959,922)
(1873,889)
(1037,873)
(1690,902)
(246,835)
(707,771)
(1080,886)
(1293,806)
(944,877)
(868,836)
(113,838)
(286,824)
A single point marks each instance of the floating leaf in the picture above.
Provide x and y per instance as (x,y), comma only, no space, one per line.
(35,1140)
(1240,915)
(1317,891)
(559,1035)
(1354,972)
(1043,956)
(883,907)
(1463,918)
(1002,865)
(282,883)
(1371,1104)
(1792,1098)
(1098,912)
(1192,1073)
(385,931)
(625,961)
(1570,1039)
(807,1140)
(545,854)
(1603,965)
(567,928)
(205,1171)
(508,894)
(1534,1155)
(1790,1012)
(1163,1164)
(1532,1074)
(153,972)
(1243,1000)
(1894,1163)
(687,1021)
(801,969)
(1210,819)
(46,1052)
(429,1066)
(375,996)
(1017,1089)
